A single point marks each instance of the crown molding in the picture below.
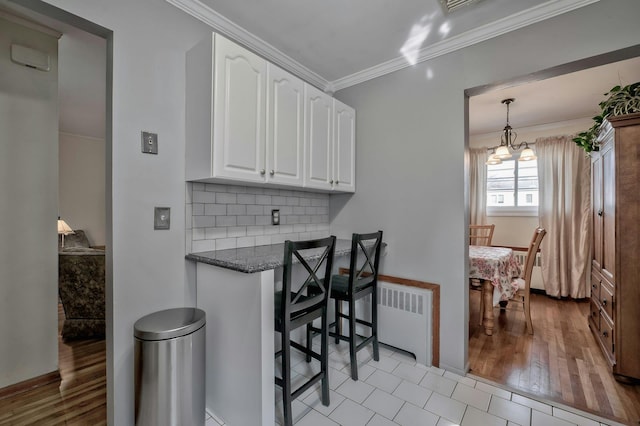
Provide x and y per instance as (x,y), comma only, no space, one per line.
(229,29)
(25,22)
(497,28)
(502,26)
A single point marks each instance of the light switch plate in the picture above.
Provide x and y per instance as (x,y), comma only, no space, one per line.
(275,217)
(161,218)
(149,143)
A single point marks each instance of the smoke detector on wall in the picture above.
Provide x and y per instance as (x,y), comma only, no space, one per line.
(452,5)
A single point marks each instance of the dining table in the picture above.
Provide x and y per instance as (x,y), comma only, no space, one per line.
(495,268)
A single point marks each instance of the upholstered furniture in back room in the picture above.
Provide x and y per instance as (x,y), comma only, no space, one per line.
(81,287)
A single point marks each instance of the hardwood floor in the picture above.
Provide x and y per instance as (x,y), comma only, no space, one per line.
(80,398)
(560,362)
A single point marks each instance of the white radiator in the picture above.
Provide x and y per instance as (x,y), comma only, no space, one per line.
(404,319)
(521,256)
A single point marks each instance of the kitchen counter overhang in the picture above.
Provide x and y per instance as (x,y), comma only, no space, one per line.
(259,258)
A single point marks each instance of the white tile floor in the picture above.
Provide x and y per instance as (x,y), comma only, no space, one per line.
(397,391)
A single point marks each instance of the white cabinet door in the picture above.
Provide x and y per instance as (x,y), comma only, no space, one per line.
(319,137)
(239,112)
(344,147)
(285,127)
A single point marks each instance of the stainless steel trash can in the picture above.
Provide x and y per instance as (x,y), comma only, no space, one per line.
(170,368)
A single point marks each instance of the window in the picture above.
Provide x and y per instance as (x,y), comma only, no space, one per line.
(512,188)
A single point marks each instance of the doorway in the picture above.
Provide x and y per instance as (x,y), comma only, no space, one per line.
(82,163)
(561,361)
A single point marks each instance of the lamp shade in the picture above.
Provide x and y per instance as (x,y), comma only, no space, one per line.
(493,160)
(502,152)
(527,155)
(63,228)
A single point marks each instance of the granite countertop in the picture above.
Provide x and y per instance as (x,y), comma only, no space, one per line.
(259,258)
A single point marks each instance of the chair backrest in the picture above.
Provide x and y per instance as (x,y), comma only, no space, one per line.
(365,261)
(534,245)
(321,253)
(481,235)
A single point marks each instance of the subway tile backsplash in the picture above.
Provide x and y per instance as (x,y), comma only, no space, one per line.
(221,217)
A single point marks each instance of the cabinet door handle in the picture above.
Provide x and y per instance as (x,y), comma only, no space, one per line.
(604,302)
(262,172)
(272,172)
(605,333)
(331,182)
(600,212)
(594,286)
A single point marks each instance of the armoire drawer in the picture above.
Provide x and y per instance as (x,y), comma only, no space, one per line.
(606,335)
(607,299)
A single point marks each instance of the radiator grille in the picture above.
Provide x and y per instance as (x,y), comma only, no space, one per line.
(403,300)
(521,257)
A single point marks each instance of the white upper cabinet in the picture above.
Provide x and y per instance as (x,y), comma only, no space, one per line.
(239,112)
(249,121)
(330,143)
(225,112)
(319,139)
(344,147)
(285,127)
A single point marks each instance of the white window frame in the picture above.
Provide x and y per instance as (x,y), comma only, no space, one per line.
(495,211)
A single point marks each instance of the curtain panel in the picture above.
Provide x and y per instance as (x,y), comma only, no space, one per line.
(564,174)
(478,186)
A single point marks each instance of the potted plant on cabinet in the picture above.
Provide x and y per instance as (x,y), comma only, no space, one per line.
(620,101)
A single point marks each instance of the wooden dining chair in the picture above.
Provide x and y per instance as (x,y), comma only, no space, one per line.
(481,235)
(522,296)
(296,307)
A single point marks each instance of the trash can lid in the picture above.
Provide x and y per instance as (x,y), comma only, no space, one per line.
(169,323)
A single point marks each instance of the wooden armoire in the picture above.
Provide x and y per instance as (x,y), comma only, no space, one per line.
(614,315)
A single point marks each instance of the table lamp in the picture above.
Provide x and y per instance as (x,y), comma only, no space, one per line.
(64,229)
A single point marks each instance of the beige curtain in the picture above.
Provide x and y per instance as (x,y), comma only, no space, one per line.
(477,186)
(564,173)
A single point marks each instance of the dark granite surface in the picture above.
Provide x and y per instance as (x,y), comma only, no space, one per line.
(259,258)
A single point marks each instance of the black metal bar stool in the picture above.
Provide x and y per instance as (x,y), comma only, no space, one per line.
(295,308)
(361,281)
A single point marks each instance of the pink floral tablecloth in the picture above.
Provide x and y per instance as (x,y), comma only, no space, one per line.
(498,265)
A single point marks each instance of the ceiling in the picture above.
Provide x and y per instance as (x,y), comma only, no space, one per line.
(335,39)
(566,97)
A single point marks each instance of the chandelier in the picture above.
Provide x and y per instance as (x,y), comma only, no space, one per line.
(507,143)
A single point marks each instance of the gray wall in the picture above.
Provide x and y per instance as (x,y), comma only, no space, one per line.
(82,186)
(28,209)
(410,154)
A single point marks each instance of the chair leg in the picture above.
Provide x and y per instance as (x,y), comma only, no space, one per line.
(309,341)
(324,357)
(374,325)
(352,339)
(481,315)
(527,313)
(286,378)
(338,311)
